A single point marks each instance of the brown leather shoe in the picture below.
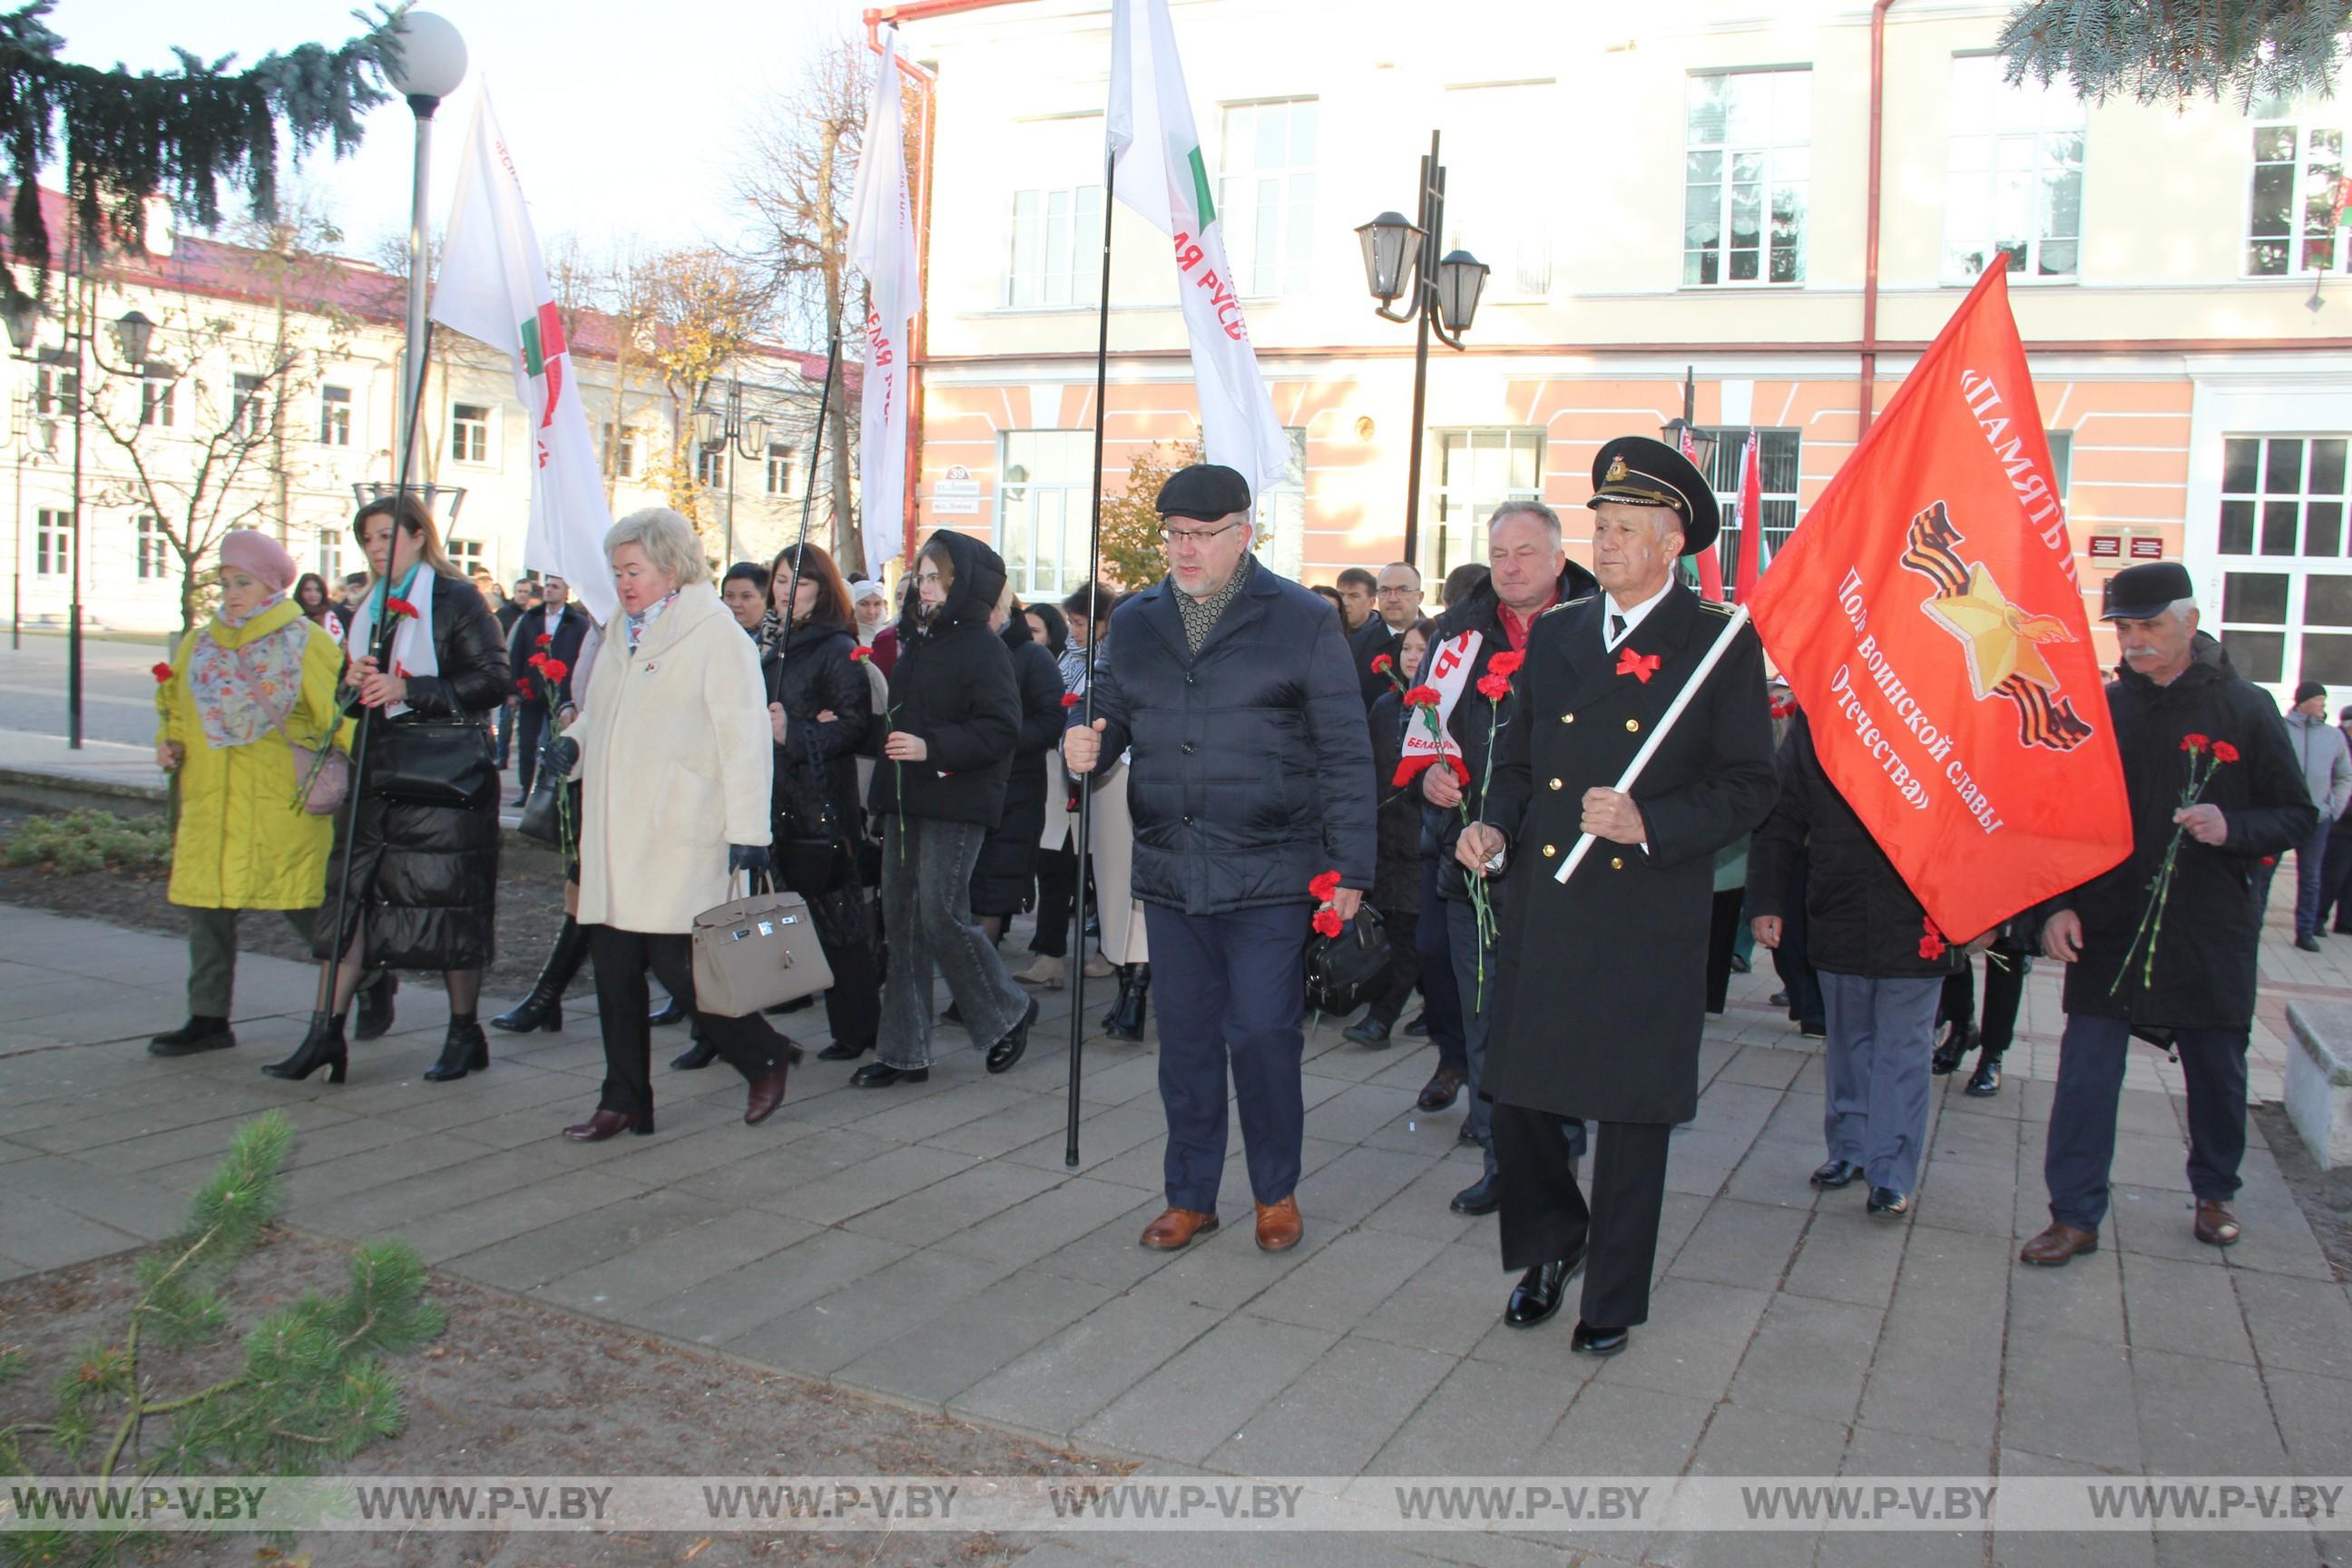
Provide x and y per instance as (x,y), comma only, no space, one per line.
(1439,1092)
(1278,1226)
(609,1123)
(1176,1228)
(2055,1247)
(2216,1225)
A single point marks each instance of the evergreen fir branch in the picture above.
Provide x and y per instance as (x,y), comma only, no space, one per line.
(2181,49)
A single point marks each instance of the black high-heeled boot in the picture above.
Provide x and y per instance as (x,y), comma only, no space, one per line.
(543,1008)
(1126,1020)
(463,1050)
(324,1047)
(1126,972)
(375,1005)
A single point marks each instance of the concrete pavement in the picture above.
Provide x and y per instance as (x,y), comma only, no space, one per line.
(928,1245)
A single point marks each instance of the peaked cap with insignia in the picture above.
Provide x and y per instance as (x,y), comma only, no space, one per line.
(1639,470)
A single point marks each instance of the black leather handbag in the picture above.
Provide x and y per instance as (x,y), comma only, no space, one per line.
(1342,971)
(427,763)
(541,821)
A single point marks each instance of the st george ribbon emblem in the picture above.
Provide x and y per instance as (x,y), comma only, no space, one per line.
(2001,640)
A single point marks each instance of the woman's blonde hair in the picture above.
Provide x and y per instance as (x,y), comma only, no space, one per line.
(406,513)
(670,541)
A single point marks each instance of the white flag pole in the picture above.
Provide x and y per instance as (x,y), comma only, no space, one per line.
(1658,734)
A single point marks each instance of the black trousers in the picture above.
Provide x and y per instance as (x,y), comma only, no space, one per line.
(1722,937)
(1057,894)
(1792,960)
(749,1044)
(2004,991)
(2336,887)
(531,725)
(1403,971)
(1545,1216)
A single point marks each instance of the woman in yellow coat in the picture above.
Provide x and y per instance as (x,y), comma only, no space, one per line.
(238,689)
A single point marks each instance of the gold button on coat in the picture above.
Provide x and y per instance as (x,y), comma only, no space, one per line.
(1616,863)
(1568,718)
(1632,725)
(1550,851)
(1557,785)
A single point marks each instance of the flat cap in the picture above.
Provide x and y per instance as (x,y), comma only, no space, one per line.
(1637,470)
(1206,492)
(2137,593)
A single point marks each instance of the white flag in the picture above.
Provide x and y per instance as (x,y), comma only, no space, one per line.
(493,285)
(882,243)
(1160,174)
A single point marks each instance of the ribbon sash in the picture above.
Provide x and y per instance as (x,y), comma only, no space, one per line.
(1447,672)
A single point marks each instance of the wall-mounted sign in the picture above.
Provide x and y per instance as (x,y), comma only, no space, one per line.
(955,505)
(2148,547)
(956,488)
(2107,547)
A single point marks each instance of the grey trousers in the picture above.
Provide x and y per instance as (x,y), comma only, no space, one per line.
(212,955)
(1882,1034)
(927,919)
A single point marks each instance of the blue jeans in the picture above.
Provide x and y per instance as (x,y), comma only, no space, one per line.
(927,919)
(2082,1143)
(1881,1036)
(2311,877)
(1232,995)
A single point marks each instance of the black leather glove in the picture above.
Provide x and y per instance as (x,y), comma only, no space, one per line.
(560,753)
(746,857)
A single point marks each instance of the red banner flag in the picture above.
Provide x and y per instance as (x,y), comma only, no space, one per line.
(1752,521)
(1928,617)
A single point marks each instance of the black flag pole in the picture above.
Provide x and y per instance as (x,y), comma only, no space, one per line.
(1098,621)
(385,629)
(808,508)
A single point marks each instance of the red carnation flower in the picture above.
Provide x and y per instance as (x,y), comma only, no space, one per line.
(1493,686)
(537,661)
(860,654)
(1324,886)
(2194,744)
(1931,942)
(545,640)
(2224,752)
(163,673)
(1329,923)
(1421,697)
(555,669)
(1070,699)
(1506,664)
(522,684)
(399,606)
(1382,665)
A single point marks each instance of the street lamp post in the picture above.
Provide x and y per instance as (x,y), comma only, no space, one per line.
(1684,435)
(1402,258)
(725,426)
(432,65)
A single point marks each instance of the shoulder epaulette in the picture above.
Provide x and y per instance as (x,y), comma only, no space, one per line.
(1710,604)
(1566,604)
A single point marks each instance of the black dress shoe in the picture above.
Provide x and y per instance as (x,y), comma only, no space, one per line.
(881,1075)
(198,1033)
(609,1124)
(1985,1082)
(1369,1032)
(372,1021)
(696,1057)
(1888,1201)
(1947,1055)
(669,1012)
(1007,1051)
(1481,1196)
(1418,1028)
(1837,1173)
(2307,942)
(1539,1293)
(843,1051)
(1778,999)
(1591,1338)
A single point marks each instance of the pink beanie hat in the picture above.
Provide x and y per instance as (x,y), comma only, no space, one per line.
(261,557)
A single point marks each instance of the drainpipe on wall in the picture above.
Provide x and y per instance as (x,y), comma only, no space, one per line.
(1869,220)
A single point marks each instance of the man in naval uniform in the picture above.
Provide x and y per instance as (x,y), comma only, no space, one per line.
(1603,980)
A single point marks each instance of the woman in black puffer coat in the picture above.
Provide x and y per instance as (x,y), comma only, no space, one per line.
(1396,884)
(425,840)
(949,733)
(822,709)
(1007,874)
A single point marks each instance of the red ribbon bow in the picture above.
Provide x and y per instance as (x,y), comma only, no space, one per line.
(1639,665)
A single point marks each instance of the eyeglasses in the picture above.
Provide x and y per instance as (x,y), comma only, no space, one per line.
(1172,537)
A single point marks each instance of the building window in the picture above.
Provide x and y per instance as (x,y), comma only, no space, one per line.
(469,433)
(1281,511)
(710,466)
(1056,245)
(2295,213)
(1042,501)
(1266,193)
(2013,184)
(466,556)
(154,558)
(2062,462)
(1747,157)
(1477,470)
(159,404)
(330,561)
(780,468)
(621,451)
(1486,210)
(2290,617)
(248,411)
(56,388)
(52,543)
(1775,455)
(335,416)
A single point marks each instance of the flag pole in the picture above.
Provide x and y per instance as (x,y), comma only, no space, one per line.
(1098,621)
(1660,731)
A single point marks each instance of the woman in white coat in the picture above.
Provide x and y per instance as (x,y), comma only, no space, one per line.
(675,758)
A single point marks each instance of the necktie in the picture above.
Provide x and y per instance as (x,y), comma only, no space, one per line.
(1616,630)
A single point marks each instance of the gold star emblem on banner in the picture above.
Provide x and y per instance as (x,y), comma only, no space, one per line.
(1999,638)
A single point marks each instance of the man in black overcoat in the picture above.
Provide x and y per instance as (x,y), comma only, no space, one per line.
(565,624)
(2196,990)
(1604,979)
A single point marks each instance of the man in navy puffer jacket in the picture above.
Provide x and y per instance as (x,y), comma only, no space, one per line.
(1250,777)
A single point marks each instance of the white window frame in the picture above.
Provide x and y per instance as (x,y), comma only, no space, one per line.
(1280,513)
(151,549)
(1021,507)
(1463,506)
(1781,150)
(335,416)
(2268,119)
(52,542)
(712,463)
(159,396)
(485,428)
(467,555)
(1246,189)
(620,450)
(780,468)
(56,388)
(2024,127)
(1779,503)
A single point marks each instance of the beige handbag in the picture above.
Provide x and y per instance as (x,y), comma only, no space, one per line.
(756,952)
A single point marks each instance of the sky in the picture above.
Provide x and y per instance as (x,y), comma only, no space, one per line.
(619,128)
